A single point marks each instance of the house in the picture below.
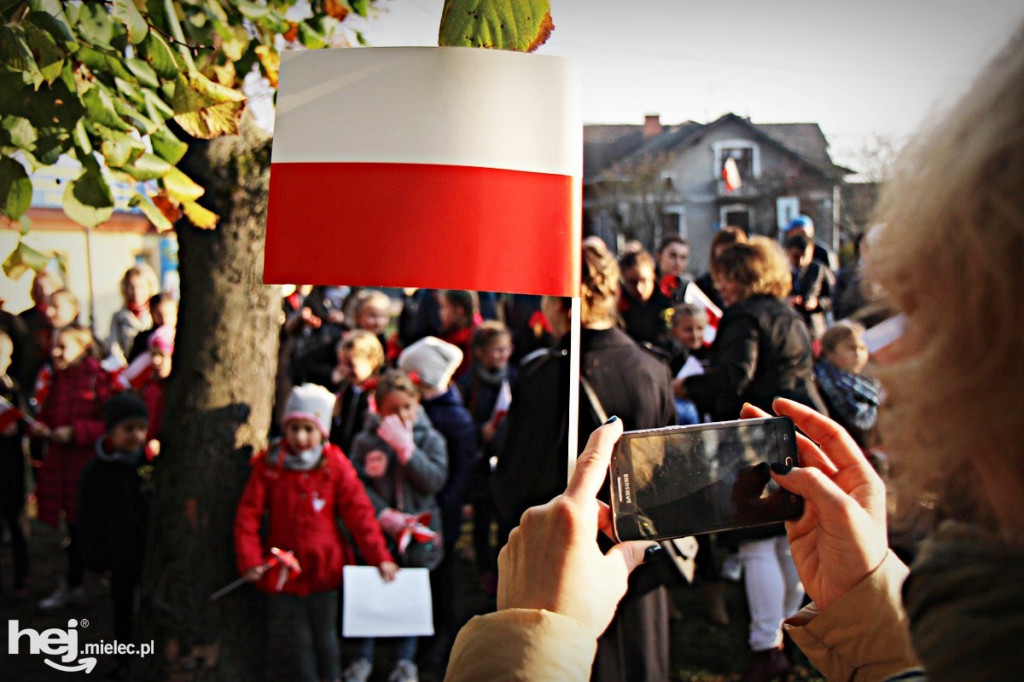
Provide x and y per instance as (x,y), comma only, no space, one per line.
(91,261)
(648,181)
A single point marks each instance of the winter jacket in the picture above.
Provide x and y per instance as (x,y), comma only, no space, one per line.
(12,456)
(452,420)
(646,321)
(302,510)
(411,487)
(113,511)
(349,417)
(762,350)
(75,399)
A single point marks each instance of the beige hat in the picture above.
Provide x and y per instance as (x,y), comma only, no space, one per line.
(433,360)
(312,402)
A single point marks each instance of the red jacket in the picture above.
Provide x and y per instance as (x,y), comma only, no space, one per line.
(74,399)
(302,508)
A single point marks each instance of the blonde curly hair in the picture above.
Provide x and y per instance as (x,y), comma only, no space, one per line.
(949,255)
(757,267)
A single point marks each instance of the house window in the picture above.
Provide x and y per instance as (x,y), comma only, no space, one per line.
(674,220)
(745,153)
(738,215)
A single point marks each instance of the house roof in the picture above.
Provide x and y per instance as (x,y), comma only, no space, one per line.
(605,146)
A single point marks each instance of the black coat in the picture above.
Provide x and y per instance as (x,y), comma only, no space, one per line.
(762,350)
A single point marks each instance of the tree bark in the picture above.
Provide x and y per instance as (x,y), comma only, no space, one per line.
(218,413)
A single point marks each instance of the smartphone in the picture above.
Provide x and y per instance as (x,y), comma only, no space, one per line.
(688,480)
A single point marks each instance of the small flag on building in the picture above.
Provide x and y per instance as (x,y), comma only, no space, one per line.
(731,175)
(445,168)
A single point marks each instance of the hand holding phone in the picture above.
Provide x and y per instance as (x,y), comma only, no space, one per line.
(688,480)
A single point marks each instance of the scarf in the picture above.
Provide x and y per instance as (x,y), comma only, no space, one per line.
(301,461)
(491,377)
(965,601)
(116,457)
(854,396)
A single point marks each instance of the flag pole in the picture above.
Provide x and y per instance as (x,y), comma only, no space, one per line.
(574,384)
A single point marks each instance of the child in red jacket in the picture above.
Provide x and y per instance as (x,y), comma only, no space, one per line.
(303,484)
(71,421)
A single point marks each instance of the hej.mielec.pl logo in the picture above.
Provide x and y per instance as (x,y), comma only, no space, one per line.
(63,644)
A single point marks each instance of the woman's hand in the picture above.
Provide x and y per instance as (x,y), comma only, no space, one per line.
(841,536)
(552,560)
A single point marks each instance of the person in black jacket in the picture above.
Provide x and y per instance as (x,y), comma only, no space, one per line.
(113,510)
(12,465)
(762,350)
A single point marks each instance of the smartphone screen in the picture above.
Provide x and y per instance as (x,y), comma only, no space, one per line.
(687,480)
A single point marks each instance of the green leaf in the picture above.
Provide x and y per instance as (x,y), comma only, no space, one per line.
(311,37)
(155,107)
(143,72)
(128,14)
(57,26)
(88,199)
(25,259)
(81,138)
(103,65)
(519,25)
(205,109)
(360,7)
(167,146)
(159,55)
(118,148)
(49,57)
(15,188)
(100,107)
(128,90)
(141,123)
(252,11)
(155,215)
(51,144)
(181,187)
(148,167)
(95,25)
(15,53)
(20,131)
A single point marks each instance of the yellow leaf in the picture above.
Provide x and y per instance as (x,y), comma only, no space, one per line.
(180,187)
(224,75)
(271,61)
(206,109)
(200,217)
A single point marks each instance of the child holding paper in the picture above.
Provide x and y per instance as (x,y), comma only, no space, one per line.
(689,353)
(403,463)
(302,484)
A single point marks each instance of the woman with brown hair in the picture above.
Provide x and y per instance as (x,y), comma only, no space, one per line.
(723,239)
(762,350)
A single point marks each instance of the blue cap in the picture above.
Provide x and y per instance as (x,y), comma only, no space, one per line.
(800,221)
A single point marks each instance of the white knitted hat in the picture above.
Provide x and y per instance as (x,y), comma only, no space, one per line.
(434,360)
(312,402)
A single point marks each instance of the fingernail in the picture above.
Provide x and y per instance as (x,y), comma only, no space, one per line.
(613,418)
(652,553)
(778,397)
(780,468)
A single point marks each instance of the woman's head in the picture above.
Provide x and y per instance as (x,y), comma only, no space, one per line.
(62,309)
(371,310)
(70,346)
(637,268)
(138,284)
(397,394)
(949,257)
(600,287)
(44,284)
(723,239)
(757,267)
(360,356)
(843,345)
(673,255)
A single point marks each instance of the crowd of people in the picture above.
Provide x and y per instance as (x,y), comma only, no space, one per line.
(427,412)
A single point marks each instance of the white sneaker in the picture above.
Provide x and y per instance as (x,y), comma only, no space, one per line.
(405,671)
(358,671)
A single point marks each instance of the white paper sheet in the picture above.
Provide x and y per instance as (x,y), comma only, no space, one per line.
(691,367)
(373,608)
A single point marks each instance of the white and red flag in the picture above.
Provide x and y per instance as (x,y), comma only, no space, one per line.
(9,413)
(501,404)
(135,375)
(731,174)
(454,168)
(41,391)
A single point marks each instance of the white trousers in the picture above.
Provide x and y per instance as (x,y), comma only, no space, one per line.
(773,589)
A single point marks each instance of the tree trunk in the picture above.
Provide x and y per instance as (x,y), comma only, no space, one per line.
(218,412)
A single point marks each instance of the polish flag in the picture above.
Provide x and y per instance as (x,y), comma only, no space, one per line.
(502,404)
(444,168)
(694,295)
(41,391)
(9,413)
(731,175)
(135,375)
